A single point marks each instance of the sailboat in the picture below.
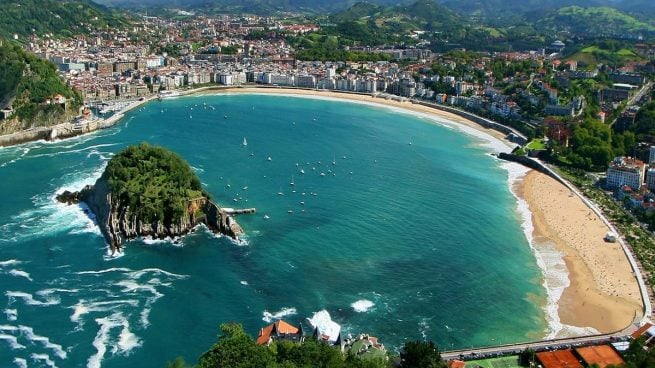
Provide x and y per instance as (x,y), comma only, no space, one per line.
(245,142)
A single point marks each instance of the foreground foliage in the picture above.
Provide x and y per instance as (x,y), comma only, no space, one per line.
(156,184)
(236,349)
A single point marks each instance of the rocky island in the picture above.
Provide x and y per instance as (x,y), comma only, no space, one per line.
(148,191)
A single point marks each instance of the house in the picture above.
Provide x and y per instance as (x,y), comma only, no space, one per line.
(362,346)
(59,100)
(6,113)
(280,330)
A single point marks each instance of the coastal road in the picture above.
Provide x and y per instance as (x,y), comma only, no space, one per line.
(553,344)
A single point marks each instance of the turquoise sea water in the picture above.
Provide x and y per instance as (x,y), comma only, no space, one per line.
(423,237)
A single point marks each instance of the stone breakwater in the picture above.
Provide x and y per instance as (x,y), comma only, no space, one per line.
(118,224)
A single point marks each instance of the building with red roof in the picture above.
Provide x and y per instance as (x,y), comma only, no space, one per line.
(280,330)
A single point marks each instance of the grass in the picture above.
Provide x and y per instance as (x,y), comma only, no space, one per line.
(503,362)
(536,144)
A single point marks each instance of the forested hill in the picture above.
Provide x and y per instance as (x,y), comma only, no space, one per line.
(248,6)
(26,82)
(62,18)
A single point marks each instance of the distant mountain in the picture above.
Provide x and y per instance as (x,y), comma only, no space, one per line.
(499,10)
(370,24)
(59,17)
(585,22)
(249,6)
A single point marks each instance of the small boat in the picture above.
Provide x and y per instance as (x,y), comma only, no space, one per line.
(322,174)
(280,192)
(244,188)
(224,116)
(289,211)
(410,143)
(266,217)
(269,158)
(235,200)
(334,161)
(302,171)
(292,183)
(245,142)
(313,169)
(302,203)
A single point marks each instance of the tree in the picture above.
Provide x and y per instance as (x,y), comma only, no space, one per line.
(637,357)
(236,349)
(421,354)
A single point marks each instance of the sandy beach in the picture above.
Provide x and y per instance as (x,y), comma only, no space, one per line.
(603,292)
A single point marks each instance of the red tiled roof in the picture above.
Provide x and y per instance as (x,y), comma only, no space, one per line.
(456,364)
(265,334)
(280,326)
(601,355)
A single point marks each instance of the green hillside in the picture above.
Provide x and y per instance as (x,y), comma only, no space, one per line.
(605,52)
(594,22)
(25,84)
(63,18)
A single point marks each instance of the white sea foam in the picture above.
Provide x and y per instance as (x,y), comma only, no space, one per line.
(20,362)
(10,262)
(29,298)
(20,273)
(82,308)
(45,358)
(8,328)
(126,340)
(29,334)
(362,306)
(46,292)
(12,341)
(100,341)
(113,269)
(424,328)
(326,326)
(269,317)
(12,314)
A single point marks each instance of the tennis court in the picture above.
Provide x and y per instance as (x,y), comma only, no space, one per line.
(503,362)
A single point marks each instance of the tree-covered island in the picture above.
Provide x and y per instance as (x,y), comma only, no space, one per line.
(148,191)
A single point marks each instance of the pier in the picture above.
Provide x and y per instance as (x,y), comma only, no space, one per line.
(244,211)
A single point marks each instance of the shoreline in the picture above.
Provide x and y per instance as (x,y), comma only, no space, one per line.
(590,281)
(576,306)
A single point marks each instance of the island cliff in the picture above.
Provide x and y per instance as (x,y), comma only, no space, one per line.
(147,191)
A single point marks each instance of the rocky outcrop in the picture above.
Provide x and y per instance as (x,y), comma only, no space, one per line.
(118,224)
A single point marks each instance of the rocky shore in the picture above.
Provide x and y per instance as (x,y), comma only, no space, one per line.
(118,225)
